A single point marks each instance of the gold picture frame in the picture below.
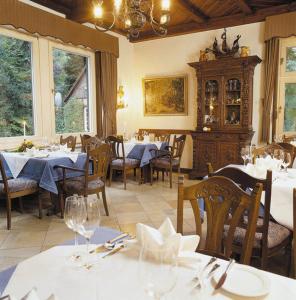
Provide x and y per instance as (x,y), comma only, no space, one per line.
(165,96)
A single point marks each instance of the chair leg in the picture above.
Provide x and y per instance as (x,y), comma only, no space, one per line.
(110,176)
(157,175)
(135,173)
(21,205)
(105,202)
(40,206)
(162,175)
(151,174)
(62,204)
(8,212)
(294,257)
(124,178)
(139,176)
(171,177)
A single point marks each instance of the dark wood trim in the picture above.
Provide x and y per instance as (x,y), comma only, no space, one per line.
(165,131)
(220,22)
(54,6)
(195,13)
(244,6)
(186,170)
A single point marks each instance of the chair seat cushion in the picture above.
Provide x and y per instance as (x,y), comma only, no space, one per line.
(76,184)
(19,184)
(276,235)
(164,162)
(129,162)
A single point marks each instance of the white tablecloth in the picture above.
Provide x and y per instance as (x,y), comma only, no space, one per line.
(281,207)
(116,278)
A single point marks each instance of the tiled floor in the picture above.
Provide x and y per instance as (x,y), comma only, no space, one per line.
(139,203)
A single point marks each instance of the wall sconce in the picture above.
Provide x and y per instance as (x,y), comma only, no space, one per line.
(120,98)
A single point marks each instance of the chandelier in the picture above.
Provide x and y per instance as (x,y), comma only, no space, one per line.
(134,14)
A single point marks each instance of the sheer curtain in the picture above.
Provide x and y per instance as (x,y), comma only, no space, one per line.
(106,87)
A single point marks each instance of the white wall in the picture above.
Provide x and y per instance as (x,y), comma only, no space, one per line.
(170,56)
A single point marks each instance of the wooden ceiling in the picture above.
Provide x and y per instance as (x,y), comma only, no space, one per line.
(187,16)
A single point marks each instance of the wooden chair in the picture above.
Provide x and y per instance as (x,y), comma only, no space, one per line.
(294,232)
(290,149)
(17,188)
(166,160)
(162,137)
(289,138)
(88,184)
(269,149)
(70,141)
(270,238)
(119,161)
(90,143)
(226,205)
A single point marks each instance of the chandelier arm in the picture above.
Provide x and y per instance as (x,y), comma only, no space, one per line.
(104,29)
(156,31)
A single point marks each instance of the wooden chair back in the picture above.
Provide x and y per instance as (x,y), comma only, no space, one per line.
(117,147)
(290,149)
(178,146)
(162,137)
(99,158)
(269,149)
(70,141)
(226,204)
(83,139)
(289,138)
(91,144)
(3,178)
(248,182)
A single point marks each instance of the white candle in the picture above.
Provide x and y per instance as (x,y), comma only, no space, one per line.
(24,123)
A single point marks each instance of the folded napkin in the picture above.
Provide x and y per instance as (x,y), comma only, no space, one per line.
(65,148)
(163,237)
(32,295)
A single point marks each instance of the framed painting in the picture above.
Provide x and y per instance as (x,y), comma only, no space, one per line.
(165,96)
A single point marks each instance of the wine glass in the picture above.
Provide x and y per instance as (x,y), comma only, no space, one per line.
(91,221)
(74,217)
(158,270)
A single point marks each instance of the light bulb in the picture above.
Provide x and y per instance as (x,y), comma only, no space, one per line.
(128,23)
(165,5)
(117,5)
(164,19)
(98,11)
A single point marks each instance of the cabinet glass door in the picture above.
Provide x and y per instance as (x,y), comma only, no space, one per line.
(233,101)
(211,103)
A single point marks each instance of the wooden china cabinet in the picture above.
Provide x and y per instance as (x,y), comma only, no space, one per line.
(224,111)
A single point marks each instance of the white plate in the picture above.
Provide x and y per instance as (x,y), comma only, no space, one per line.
(245,281)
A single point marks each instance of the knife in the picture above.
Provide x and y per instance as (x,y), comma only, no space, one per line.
(224,275)
(111,252)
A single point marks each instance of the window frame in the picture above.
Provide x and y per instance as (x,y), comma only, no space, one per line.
(91,86)
(43,85)
(283,78)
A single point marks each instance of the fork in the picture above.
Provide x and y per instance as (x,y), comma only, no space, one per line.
(208,276)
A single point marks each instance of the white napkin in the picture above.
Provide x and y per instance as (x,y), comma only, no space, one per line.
(32,295)
(166,236)
(65,148)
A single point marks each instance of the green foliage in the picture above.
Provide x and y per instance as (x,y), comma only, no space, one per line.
(291,59)
(16,100)
(290,107)
(67,69)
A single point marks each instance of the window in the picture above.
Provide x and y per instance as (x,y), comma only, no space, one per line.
(286,122)
(16,87)
(71,92)
(48,86)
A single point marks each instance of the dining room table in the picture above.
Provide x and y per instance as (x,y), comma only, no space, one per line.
(117,277)
(40,166)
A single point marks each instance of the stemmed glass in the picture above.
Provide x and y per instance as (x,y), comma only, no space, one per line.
(91,221)
(74,217)
(158,270)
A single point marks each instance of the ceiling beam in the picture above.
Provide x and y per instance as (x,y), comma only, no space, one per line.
(244,6)
(54,6)
(220,22)
(195,13)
